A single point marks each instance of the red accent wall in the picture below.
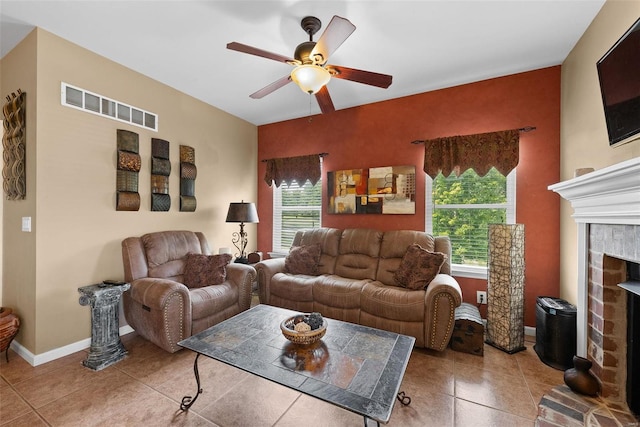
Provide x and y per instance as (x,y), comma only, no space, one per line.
(380,134)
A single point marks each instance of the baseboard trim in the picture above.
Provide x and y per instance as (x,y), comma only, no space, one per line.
(57,353)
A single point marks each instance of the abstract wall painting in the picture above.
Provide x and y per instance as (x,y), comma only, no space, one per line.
(382,190)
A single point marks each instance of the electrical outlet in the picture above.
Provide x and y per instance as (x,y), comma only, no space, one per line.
(481,297)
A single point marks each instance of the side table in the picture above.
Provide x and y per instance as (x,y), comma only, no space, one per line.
(106,347)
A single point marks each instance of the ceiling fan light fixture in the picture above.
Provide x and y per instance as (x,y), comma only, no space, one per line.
(310,78)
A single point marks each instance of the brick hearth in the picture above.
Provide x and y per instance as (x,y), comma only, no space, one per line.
(561,407)
(607,212)
(609,248)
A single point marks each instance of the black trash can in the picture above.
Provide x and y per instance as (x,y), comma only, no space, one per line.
(555,332)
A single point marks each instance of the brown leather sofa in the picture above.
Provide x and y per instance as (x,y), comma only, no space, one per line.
(159,306)
(355,283)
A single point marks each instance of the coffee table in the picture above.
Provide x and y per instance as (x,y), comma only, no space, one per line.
(354,367)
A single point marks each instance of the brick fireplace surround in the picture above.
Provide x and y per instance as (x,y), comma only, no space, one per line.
(606,207)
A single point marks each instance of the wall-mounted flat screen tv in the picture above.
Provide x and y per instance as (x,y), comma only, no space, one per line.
(619,74)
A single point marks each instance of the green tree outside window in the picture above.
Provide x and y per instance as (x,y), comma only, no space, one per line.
(462,209)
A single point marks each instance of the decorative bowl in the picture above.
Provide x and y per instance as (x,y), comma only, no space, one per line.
(302,338)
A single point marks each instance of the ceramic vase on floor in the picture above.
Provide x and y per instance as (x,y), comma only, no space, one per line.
(9,327)
(580,379)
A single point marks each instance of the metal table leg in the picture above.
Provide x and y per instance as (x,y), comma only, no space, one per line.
(366,422)
(187,401)
(402,398)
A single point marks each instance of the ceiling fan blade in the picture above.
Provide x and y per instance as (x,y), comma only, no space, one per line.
(324,100)
(360,76)
(338,30)
(259,52)
(271,88)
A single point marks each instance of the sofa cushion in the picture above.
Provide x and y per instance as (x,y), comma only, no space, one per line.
(359,252)
(393,302)
(418,267)
(208,300)
(392,249)
(303,260)
(329,240)
(294,292)
(395,309)
(205,270)
(337,291)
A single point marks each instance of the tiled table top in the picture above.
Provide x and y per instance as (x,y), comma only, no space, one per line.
(355,367)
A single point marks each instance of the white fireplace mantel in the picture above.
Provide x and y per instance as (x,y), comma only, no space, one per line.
(607,196)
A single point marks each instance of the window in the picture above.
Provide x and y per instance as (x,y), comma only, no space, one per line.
(97,104)
(294,208)
(462,207)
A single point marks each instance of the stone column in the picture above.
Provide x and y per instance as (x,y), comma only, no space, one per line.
(106,347)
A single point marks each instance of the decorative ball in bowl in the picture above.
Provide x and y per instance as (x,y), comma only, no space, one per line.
(304,329)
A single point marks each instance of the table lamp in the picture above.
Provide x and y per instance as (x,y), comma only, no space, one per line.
(241,212)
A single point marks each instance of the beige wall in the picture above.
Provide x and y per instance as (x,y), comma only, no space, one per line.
(19,249)
(71,182)
(583,135)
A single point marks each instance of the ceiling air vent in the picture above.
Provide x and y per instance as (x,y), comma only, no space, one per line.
(81,99)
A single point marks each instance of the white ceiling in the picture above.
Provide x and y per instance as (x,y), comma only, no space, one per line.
(424,45)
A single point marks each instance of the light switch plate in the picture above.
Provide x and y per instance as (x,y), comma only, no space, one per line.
(26,224)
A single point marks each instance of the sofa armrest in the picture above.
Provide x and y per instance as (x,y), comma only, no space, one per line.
(441,299)
(243,276)
(159,310)
(154,292)
(266,270)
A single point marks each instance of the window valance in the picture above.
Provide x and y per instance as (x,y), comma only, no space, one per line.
(289,169)
(479,152)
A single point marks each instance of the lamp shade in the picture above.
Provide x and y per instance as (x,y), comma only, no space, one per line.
(310,78)
(242,212)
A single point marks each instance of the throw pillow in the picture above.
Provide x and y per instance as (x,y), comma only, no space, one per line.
(204,270)
(418,267)
(303,260)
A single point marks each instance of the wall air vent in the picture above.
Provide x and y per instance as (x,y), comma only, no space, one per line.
(81,99)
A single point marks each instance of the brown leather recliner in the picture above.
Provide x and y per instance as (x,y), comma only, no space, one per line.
(159,306)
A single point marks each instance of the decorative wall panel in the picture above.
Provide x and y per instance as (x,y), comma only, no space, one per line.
(14,143)
(128,164)
(160,171)
(188,174)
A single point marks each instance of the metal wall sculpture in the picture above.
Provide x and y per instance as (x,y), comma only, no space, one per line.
(505,291)
(188,174)
(14,143)
(383,190)
(160,171)
(128,198)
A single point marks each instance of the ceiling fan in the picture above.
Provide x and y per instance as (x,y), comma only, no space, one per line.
(311,72)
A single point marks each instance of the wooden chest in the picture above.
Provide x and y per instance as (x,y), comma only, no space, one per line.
(468,331)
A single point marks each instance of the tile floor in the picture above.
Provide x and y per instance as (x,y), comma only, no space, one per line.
(447,388)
